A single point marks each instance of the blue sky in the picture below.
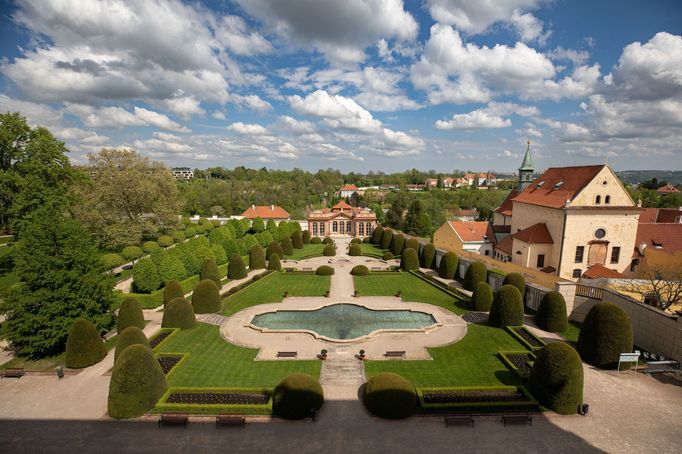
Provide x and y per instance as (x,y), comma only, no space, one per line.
(355,85)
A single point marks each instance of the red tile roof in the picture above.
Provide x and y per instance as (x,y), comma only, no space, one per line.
(648,215)
(535,234)
(505,207)
(599,270)
(505,245)
(665,237)
(266,212)
(349,187)
(543,191)
(668,215)
(473,231)
(667,189)
(342,206)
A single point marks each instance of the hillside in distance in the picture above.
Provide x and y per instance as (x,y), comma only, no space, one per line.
(638,176)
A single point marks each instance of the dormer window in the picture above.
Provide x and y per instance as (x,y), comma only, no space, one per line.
(558,185)
(540,184)
(597,200)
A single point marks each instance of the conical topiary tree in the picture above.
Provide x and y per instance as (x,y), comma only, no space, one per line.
(297,240)
(236,268)
(517,281)
(130,314)
(448,265)
(137,383)
(287,247)
(556,379)
(506,308)
(84,345)
(130,336)
(551,314)
(428,255)
(274,263)
(605,334)
(178,314)
(172,290)
(386,239)
(412,243)
(376,235)
(482,297)
(206,297)
(256,258)
(274,248)
(209,270)
(477,272)
(305,236)
(409,260)
(398,243)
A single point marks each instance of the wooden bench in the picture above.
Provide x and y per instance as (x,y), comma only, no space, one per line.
(13,373)
(653,367)
(395,354)
(287,354)
(230,420)
(517,419)
(173,420)
(459,420)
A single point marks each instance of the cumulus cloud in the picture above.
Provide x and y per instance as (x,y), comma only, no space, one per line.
(297,126)
(252,102)
(477,16)
(117,117)
(184,106)
(529,28)
(233,33)
(488,117)
(247,129)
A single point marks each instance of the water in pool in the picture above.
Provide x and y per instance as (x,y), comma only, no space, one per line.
(344,321)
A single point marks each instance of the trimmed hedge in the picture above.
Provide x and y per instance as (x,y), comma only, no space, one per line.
(145,276)
(359,270)
(324,270)
(388,255)
(448,265)
(149,246)
(296,395)
(287,247)
(137,382)
(178,314)
(209,270)
(132,252)
(84,345)
(389,395)
(172,290)
(206,297)
(476,272)
(556,379)
(165,240)
(398,244)
(171,268)
(297,240)
(129,314)
(428,255)
(236,268)
(274,248)
(482,298)
(551,314)
(409,260)
(256,258)
(316,240)
(110,261)
(274,263)
(355,241)
(132,335)
(386,239)
(412,243)
(506,308)
(328,240)
(376,235)
(305,236)
(605,334)
(354,250)
(329,250)
(517,281)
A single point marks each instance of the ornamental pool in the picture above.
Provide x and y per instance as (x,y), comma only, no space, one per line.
(343,321)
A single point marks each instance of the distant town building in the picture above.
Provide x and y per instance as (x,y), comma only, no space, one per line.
(667,189)
(348,191)
(266,212)
(415,187)
(465,215)
(480,179)
(470,236)
(342,219)
(182,173)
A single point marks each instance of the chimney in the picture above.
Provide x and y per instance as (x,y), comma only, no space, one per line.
(253,206)
(639,203)
(272,207)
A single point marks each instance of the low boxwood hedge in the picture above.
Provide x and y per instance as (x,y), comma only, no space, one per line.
(526,402)
(163,406)
(324,270)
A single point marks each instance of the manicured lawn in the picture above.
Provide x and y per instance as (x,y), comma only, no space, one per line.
(411,287)
(371,250)
(271,290)
(214,362)
(572,332)
(309,250)
(45,364)
(470,362)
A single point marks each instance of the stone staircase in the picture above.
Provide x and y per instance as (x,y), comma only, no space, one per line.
(212,319)
(342,372)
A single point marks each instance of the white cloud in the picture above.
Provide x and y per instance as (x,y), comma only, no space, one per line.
(157,119)
(338,111)
(297,126)
(116,117)
(252,102)
(488,117)
(36,114)
(577,57)
(529,28)
(232,32)
(247,129)
(185,106)
(476,16)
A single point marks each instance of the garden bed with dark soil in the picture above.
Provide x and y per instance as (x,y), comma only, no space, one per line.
(218,398)
(474,396)
(156,340)
(526,337)
(521,362)
(168,362)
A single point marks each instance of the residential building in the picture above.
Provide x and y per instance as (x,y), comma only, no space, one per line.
(448,183)
(415,187)
(347,191)
(475,237)
(267,212)
(342,219)
(667,189)
(658,247)
(480,179)
(182,173)
(465,215)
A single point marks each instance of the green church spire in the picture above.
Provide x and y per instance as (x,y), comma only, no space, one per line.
(527,163)
(526,170)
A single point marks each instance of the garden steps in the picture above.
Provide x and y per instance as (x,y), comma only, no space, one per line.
(342,372)
(212,319)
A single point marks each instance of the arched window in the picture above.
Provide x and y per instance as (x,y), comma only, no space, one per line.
(335,227)
(321,228)
(597,201)
(607,199)
(314,228)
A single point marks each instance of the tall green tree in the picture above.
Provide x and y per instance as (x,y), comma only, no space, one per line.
(417,221)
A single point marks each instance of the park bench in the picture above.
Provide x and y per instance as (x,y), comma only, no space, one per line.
(230,420)
(287,354)
(173,420)
(653,367)
(395,354)
(13,373)
(517,419)
(459,420)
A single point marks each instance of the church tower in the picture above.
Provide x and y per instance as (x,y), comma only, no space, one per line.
(526,170)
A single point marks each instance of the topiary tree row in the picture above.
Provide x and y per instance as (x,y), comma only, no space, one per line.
(388,255)
(398,243)
(274,248)
(297,240)
(386,239)
(376,235)
(412,243)
(556,379)
(428,255)
(316,240)
(132,335)
(517,281)
(129,314)
(209,270)
(172,290)
(287,246)
(476,272)
(305,236)
(206,298)
(236,268)
(506,308)
(256,258)
(448,265)
(551,314)
(354,250)
(605,334)
(178,314)
(409,260)
(274,263)
(482,298)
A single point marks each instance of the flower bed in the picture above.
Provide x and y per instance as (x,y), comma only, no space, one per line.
(216,401)
(209,398)
(466,399)
(170,361)
(518,362)
(530,341)
(159,337)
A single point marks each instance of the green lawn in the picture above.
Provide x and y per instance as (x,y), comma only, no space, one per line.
(45,364)
(309,250)
(371,250)
(572,332)
(271,290)
(214,362)
(412,288)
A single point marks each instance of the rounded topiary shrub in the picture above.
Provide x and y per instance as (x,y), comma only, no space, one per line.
(477,272)
(137,383)
(556,379)
(172,290)
(482,297)
(84,345)
(551,314)
(428,255)
(397,245)
(287,247)
(171,268)
(315,240)
(355,241)
(206,297)
(110,261)
(324,270)
(149,246)
(386,239)
(165,240)
(256,258)
(274,263)
(517,281)
(412,243)
(130,336)
(274,248)
(388,255)
(146,277)
(390,396)
(605,334)
(329,250)
(409,260)
(296,395)
(132,252)
(130,314)
(209,270)
(328,240)
(376,235)
(297,240)
(236,268)
(448,265)
(305,236)
(506,308)
(359,270)
(178,314)
(354,250)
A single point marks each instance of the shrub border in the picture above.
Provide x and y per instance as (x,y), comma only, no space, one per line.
(512,330)
(213,409)
(226,294)
(507,362)
(471,407)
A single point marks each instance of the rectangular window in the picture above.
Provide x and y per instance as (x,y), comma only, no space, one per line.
(615,254)
(633,265)
(487,252)
(541,261)
(579,251)
(577,273)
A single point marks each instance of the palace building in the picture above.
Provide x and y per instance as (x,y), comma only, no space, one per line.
(342,219)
